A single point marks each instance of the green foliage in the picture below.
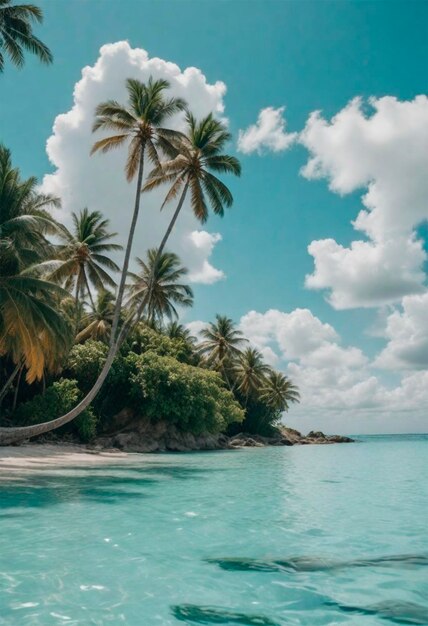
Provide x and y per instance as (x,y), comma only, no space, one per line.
(144,339)
(193,399)
(58,399)
(85,362)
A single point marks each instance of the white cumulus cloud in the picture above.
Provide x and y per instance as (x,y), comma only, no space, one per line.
(98,182)
(407,334)
(267,134)
(384,152)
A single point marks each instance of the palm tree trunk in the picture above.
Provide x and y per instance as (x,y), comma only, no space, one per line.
(136,318)
(76,304)
(123,278)
(89,290)
(20,433)
(9,381)
(15,395)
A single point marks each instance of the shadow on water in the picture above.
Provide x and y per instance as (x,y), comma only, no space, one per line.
(395,612)
(312,564)
(191,613)
(100,485)
(49,491)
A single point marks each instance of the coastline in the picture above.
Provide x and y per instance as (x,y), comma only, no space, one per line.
(129,446)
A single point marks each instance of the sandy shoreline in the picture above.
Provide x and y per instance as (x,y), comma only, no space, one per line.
(38,456)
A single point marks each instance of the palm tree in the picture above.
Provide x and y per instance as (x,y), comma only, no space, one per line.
(222,345)
(140,124)
(250,371)
(24,220)
(97,323)
(195,156)
(28,317)
(165,271)
(175,330)
(16,33)
(278,391)
(32,331)
(82,257)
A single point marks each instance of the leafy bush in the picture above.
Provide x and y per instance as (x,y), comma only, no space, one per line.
(59,398)
(193,399)
(85,363)
(145,339)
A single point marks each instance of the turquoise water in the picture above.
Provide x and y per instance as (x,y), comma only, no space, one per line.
(317,535)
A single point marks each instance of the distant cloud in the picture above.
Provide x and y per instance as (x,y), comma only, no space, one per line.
(268,134)
(330,376)
(196,327)
(407,334)
(384,152)
(98,182)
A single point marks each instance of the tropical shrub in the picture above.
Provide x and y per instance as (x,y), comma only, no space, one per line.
(143,338)
(85,362)
(59,398)
(193,399)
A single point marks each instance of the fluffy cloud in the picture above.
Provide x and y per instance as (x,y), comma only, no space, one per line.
(332,376)
(367,273)
(384,152)
(196,327)
(98,182)
(407,334)
(341,389)
(267,134)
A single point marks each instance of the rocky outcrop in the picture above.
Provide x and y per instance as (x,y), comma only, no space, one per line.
(145,436)
(141,435)
(285,437)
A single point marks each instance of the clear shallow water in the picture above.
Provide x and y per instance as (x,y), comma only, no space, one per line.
(215,538)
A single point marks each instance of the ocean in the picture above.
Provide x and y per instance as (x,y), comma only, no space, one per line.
(307,535)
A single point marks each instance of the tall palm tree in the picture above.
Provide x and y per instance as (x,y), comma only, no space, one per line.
(24,220)
(97,322)
(250,372)
(195,155)
(16,33)
(82,257)
(32,331)
(278,391)
(165,271)
(140,124)
(222,345)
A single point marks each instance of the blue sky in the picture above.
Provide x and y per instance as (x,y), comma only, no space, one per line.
(303,55)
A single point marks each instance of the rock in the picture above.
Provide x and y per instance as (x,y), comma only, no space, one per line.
(315,435)
(340,439)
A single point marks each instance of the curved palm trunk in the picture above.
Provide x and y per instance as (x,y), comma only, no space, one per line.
(20,433)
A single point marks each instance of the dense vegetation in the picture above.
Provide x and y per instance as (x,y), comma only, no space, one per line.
(82,338)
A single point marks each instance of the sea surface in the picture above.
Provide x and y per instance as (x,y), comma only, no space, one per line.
(316,535)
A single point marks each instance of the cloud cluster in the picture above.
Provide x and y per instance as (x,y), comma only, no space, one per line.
(98,182)
(382,151)
(267,134)
(330,376)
